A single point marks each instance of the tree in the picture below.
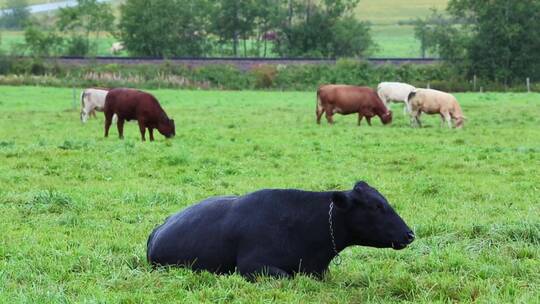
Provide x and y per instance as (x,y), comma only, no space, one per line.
(16,14)
(267,18)
(351,38)
(163,28)
(322,28)
(235,19)
(89,16)
(443,35)
(498,39)
(42,43)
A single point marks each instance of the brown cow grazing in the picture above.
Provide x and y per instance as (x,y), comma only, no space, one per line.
(348,99)
(130,104)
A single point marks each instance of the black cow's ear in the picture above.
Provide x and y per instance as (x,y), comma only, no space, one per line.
(361,186)
(341,200)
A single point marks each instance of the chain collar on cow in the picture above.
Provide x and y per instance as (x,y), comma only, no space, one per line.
(337,259)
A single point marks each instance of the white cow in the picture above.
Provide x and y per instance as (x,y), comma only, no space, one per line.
(92,100)
(116,47)
(396,92)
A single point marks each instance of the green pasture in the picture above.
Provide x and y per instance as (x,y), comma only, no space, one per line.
(76,209)
(385,12)
(3,3)
(395,41)
(13,42)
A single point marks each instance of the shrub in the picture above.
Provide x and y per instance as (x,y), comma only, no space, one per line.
(224,76)
(265,76)
(293,77)
(77,46)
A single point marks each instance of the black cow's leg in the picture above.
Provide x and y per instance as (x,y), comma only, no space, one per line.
(251,271)
(120,125)
(108,122)
(151,132)
(142,128)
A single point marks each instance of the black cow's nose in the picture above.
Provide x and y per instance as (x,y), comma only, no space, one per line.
(411,236)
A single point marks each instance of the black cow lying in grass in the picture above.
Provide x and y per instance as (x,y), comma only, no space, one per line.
(277,232)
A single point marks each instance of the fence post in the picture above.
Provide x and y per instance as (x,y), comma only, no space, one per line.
(481,89)
(474,83)
(428,85)
(528,85)
(74,103)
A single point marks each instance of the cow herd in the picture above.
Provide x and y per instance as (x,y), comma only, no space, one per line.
(277,232)
(129,104)
(366,102)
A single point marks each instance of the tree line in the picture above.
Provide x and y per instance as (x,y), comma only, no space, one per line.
(303,28)
(498,39)
(200,28)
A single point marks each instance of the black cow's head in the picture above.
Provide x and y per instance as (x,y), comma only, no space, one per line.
(370,220)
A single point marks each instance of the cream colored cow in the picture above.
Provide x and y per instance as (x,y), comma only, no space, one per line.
(435,102)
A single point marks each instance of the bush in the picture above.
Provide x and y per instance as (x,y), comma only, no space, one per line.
(77,46)
(5,64)
(265,76)
(293,77)
(224,76)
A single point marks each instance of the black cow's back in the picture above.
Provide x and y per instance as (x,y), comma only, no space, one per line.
(195,237)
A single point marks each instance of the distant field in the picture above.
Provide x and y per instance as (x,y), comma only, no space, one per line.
(14,39)
(382,12)
(30,2)
(76,209)
(393,40)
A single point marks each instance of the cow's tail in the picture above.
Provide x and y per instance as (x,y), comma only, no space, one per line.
(319,107)
(83,94)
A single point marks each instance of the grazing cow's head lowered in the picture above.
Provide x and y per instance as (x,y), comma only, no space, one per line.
(166,128)
(386,118)
(370,220)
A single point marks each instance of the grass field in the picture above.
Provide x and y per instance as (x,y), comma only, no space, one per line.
(76,209)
